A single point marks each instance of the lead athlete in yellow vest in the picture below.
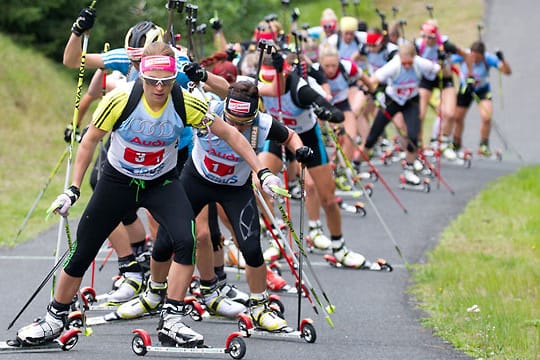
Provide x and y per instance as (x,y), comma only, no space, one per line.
(140,172)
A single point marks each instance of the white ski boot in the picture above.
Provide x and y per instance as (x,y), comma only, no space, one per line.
(146,302)
(263,317)
(173,332)
(347,257)
(318,239)
(230,291)
(44,330)
(218,304)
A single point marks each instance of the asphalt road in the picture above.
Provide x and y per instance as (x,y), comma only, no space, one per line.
(375,316)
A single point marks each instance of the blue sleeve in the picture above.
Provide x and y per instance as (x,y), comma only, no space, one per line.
(181,77)
(116,59)
(492,60)
(456,59)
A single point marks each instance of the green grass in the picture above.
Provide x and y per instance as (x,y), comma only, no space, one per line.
(37,102)
(489,257)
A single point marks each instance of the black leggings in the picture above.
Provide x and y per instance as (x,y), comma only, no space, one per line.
(410,111)
(239,204)
(117,195)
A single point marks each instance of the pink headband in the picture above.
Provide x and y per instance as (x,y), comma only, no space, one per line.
(158,62)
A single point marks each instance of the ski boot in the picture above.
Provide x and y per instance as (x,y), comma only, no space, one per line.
(447,149)
(147,302)
(409,180)
(274,281)
(127,286)
(216,303)
(346,257)
(263,316)
(295,190)
(173,332)
(44,330)
(316,238)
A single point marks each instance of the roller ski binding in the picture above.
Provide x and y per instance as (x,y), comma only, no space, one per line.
(378,265)
(263,320)
(65,342)
(411,181)
(44,333)
(343,257)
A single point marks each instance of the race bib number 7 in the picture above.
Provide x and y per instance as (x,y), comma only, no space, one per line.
(218,168)
(143,158)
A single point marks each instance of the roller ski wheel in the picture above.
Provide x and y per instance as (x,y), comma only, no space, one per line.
(307,331)
(493,155)
(65,342)
(358,208)
(423,186)
(378,265)
(235,346)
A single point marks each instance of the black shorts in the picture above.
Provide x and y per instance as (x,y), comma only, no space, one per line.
(465,100)
(311,138)
(447,82)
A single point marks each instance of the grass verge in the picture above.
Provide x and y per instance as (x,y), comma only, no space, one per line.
(480,284)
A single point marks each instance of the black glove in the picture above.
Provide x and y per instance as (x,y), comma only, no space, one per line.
(195,72)
(68,131)
(304,154)
(468,87)
(231,53)
(84,22)
(499,55)
(441,55)
(278,61)
(295,14)
(216,23)
(322,113)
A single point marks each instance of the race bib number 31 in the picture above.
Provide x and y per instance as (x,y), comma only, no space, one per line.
(143,158)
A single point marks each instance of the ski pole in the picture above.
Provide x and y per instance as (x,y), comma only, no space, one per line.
(58,263)
(40,195)
(420,151)
(302,250)
(370,164)
(344,4)
(292,266)
(72,142)
(381,220)
(191,20)
(395,11)
(327,309)
(300,258)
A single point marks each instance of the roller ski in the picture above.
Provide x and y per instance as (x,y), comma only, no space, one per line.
(147,304)
(409,180)
(44,333)
(484,152)
(358,208)
(342,257)
(263,320)
(175,336)
(235,346)
(65,342)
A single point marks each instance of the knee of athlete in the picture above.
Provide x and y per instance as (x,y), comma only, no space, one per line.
(203,237)
(252,253)
(161,250)
(76,267)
